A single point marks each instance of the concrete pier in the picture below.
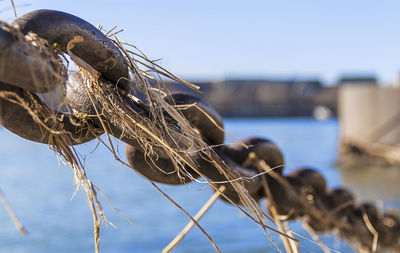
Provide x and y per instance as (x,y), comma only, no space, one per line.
(369,120)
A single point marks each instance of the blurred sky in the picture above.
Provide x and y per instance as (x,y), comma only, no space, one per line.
(214,39)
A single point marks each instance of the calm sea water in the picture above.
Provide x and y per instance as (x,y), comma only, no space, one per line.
(40,189)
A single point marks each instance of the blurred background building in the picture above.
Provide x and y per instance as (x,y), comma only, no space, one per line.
(275,97)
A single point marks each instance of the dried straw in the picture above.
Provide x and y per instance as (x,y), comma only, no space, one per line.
(155,134)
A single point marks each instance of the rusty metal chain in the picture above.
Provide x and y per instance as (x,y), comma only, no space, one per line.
(31,62)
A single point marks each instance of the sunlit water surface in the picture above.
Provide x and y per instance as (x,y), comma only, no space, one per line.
(40,189)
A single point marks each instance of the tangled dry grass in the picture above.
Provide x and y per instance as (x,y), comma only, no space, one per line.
(155,133)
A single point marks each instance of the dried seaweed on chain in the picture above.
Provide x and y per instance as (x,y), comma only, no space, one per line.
(148,132)
(61,141)
(155,132)
(50,126)
(152,133)
(40,68)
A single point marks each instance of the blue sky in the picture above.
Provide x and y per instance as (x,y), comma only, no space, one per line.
(281,38)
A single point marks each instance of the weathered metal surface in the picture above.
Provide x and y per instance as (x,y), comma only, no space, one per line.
(20,121)
(27,66)
(60,28)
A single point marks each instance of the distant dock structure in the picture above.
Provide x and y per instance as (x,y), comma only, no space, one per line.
(250,98)
(369,120)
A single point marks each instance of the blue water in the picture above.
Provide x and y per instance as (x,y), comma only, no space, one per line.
(40,188)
